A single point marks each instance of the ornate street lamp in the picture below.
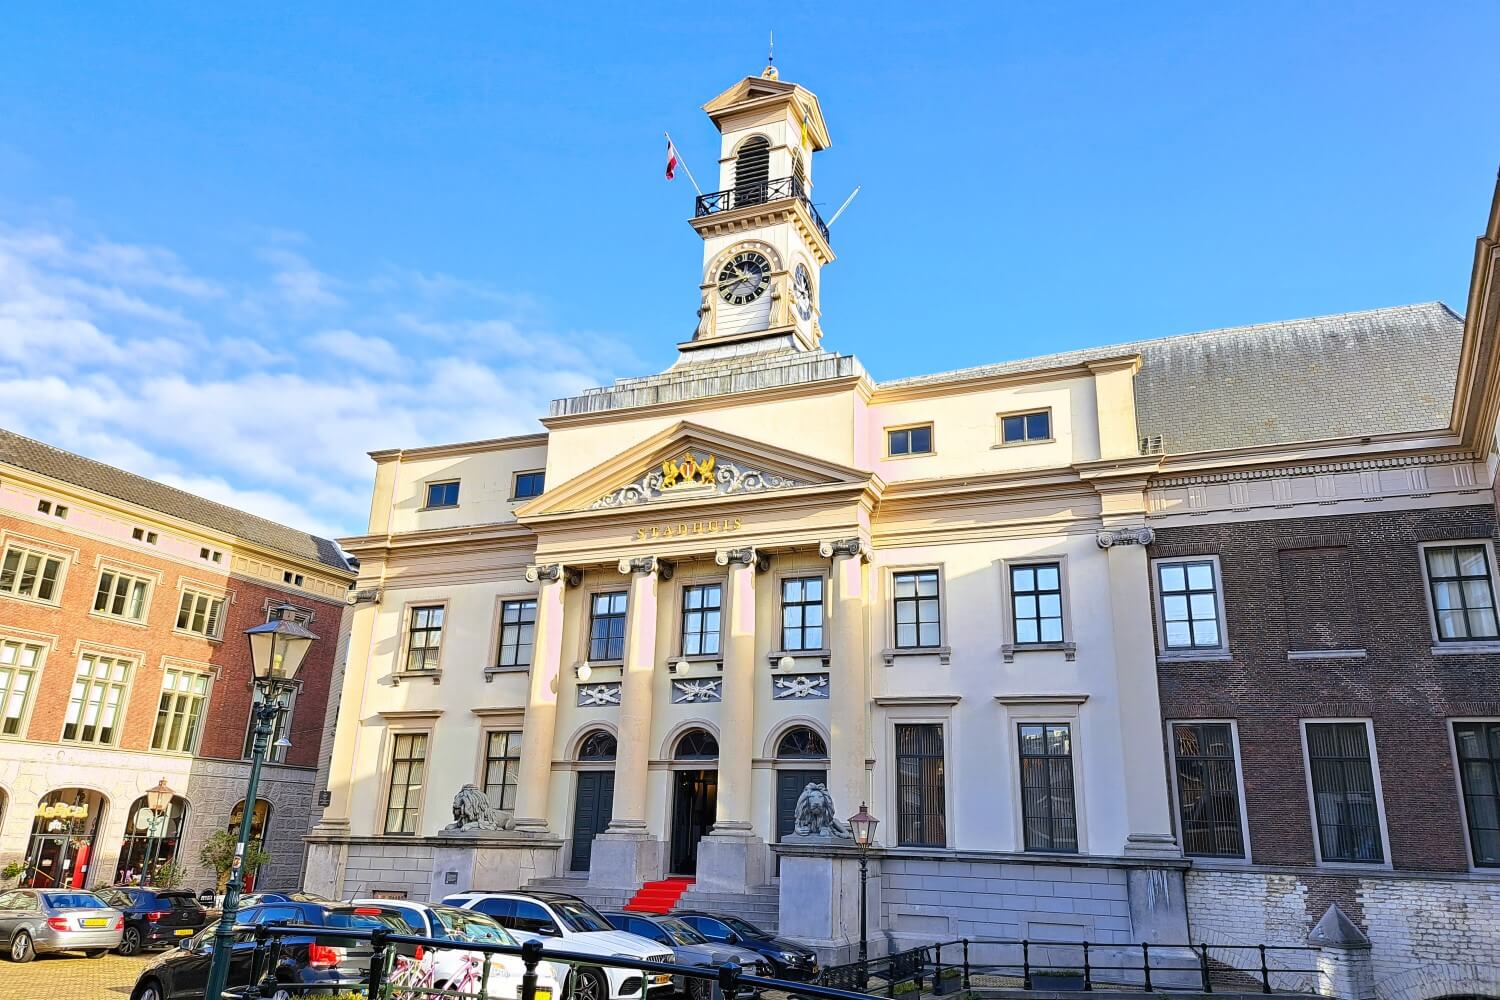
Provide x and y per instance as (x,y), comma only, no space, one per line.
(277,650)
(862,825)
(158,801)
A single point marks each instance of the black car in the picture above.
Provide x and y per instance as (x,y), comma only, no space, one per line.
(336,963)
(276,896)
(790,959)
(154,917)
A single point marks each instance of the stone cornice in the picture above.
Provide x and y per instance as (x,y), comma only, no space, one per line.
(1166,479)
(460,448)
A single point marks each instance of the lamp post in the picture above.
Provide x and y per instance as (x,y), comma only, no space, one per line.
(158,801)
(863,825)
(277,649)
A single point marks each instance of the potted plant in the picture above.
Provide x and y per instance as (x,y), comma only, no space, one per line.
(12,872)
(1056,979)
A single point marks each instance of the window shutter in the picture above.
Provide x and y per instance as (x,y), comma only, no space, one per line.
(1317,588)
(215,608)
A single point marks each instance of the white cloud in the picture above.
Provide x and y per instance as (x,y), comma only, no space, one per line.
(373,353)
(299,283)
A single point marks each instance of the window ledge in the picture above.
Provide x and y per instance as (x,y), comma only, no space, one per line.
(1465,648)
(1068,649)
(197,635)
(519,668)
(824,655)
(943,653)
(439,506)
(1023,444)
(100,616)
(1325,654)
(1194,656)
(34,601)
(397,676)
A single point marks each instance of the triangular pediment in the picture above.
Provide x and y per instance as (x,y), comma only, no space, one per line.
(758,91)
(688,462)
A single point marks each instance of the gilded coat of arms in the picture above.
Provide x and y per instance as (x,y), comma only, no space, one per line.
(687,471)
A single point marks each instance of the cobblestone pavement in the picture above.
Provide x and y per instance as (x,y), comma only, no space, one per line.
(71,977)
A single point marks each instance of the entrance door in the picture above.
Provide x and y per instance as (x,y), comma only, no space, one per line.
(693,806)
(591,809)
(789,785)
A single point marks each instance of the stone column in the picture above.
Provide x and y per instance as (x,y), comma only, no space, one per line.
(534,782)
(731,858)
(627,854)
(1147,805)
(848,675)
(1345,968)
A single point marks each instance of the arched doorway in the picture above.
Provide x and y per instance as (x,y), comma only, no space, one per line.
(151,840)
(64,827)
(801,759)
(260,823)
(594,797)
(695,796)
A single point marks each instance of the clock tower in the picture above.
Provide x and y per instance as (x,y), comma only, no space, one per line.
(764,243)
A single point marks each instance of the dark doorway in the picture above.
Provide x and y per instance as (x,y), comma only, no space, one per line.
(591,810)
(694,802)
(789,785)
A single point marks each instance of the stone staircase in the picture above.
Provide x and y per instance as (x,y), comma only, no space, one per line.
(759,905)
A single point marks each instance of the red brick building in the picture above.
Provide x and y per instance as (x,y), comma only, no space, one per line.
(122,663)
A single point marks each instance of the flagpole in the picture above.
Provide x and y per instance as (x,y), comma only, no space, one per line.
(844,205)
(685,168)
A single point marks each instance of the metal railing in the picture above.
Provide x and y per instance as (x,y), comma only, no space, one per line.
(758,193)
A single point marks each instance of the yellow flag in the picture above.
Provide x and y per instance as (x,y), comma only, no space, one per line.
(804,129)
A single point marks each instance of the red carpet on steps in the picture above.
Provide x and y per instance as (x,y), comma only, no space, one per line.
(659,897)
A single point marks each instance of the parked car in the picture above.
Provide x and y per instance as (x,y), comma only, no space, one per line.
(334,963)
(289,896)
(37,921)
(449,966)
(154,917)
(566,923)
(689,948)
(789,959)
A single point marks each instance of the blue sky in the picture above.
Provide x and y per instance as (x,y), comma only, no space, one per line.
(240,247)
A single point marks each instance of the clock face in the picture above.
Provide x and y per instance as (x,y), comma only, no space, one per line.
(744,278)
(802,292)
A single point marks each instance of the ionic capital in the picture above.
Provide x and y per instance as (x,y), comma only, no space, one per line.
(845,547)
(552,572)
(747,556)
(1110,537)
(648,564)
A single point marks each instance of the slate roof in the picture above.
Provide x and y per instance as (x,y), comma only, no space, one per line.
(45,460)
(1384,371)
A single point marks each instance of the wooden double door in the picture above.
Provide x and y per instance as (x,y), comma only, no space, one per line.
(592,805)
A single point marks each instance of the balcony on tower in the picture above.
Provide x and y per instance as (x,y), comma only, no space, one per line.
(760,192)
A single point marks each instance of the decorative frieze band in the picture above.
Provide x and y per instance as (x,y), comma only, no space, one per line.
(1111,537)
(1322,469)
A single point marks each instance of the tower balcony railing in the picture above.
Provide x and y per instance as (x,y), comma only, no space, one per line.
(759,193)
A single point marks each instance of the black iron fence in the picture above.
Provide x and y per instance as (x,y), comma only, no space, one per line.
(758,193)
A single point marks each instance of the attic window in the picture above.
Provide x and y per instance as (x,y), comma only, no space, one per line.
(752,170)
(142,535)
(295,579)
(442,494)
(44,506)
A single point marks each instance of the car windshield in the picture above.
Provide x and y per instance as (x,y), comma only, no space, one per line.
(744,927)
(471,926)
(579,916)
(179,900)
(74,901)
(363,920)
(679,931)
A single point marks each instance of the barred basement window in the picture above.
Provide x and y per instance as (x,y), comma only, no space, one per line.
(404,798)
(802,613)
(121,595)
(1049,815)
(517,633)
(1344,795)
(1479,770)
(1463,595)
(30,573)
(201,614)
(1208,791)
(701,619)
(921,819)
(502,768)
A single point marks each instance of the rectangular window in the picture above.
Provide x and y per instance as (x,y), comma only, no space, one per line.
(1208,790)
(295,579)
(1019,428)
(30,573)
(701,605)
(802,613)
(607,626)
(1048,813)
(201,614)
(180,711)
(916,607)
(517,633)
(1463,596)
(909,441)
(1036,603)
(1189,594)
(1343,786)
(96,705)
(18,666)
(424,638)
(442,494)
(502,766)
(45,506)
(408,761)
(530,484)
(1479,771)
(142,535)
(286,697)
(121,595)
(921,806)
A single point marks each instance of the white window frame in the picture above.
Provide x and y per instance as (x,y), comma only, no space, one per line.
(65,561)
(186,587)
(1010,647)
(887,431)
(921,715)
(1000,441)
(498,635)
(418,724)
(943,651)
(1239,779)
(133,667)
(400,668)
(1312,805)
(48,643)
(781,576)
(1458,789)
(1197,653)
(1459,647)
(184,667)
(1022,710)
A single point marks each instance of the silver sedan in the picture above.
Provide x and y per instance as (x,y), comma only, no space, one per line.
(35,921)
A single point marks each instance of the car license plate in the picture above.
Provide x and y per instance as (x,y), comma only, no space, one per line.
(543,994)
(183,932)
(96,922)
(661,980)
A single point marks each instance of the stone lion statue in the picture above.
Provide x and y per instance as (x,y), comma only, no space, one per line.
(815,816)
(472,811)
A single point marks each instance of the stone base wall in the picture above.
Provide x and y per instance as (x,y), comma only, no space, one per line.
(380,867)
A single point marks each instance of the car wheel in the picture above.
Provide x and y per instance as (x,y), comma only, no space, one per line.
(150,991)
(130,942)
(21,948)
(699,989)
(590,984)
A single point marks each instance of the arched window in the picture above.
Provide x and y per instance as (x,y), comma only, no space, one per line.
(696,744)
(598,745)
(259,823)
(799,172)
(63,829)
(752,169)
(151,840)
(801,743)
